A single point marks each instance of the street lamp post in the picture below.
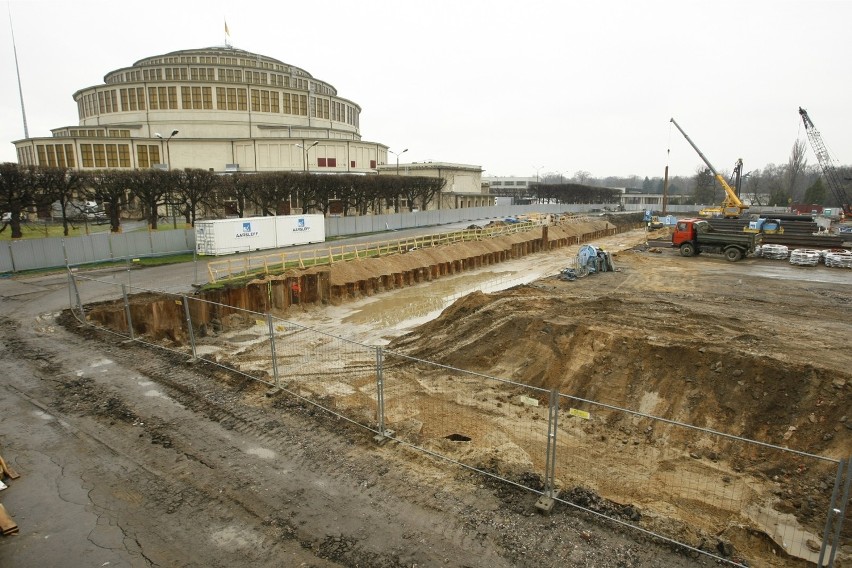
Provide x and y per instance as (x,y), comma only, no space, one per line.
(306,149)
(537,169)
(397,158)
(168,156)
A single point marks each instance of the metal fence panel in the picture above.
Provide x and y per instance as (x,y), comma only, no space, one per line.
(364,224)
(481,422)
(707,490)
(86,249)
(334,373)
(140,243)
(230,337)
(119,245)
(165,242)
(31,254)
(6,259)
(694,486)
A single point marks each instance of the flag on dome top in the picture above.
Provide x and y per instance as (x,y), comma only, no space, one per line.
(227,34)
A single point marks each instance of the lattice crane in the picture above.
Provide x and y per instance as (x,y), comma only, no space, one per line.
(832,178)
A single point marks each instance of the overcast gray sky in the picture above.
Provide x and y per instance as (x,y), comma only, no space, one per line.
(515,87)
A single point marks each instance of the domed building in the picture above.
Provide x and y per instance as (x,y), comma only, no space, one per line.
(218,108)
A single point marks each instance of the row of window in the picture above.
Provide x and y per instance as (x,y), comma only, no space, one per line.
(201,98)
(223,60)
(332,163)
(118,155)
(107,155)
(91,155)
(56,155)
(222,75)
(92,133)
(115,156)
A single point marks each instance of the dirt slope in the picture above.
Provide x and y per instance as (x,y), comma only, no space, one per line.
(748,349)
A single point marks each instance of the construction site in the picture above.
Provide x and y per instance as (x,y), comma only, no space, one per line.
(501,401)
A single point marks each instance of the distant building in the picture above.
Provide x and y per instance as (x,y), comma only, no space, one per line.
(217,108)
(464,187)
(514,187)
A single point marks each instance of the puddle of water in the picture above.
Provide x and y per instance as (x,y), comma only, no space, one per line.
(235,537)
(785,531)
(408,307)
(155,393)
(261,453)
(786,271)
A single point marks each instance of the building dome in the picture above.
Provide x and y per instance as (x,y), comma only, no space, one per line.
(218,108)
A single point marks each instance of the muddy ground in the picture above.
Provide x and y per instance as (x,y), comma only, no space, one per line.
(191,466)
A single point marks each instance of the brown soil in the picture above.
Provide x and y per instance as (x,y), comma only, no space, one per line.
(757,349)
(694,340)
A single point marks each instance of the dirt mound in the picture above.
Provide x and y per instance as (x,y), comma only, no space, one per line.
(710,344)
(605,349)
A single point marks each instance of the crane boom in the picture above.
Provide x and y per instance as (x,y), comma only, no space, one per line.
(731,205)
(831,176)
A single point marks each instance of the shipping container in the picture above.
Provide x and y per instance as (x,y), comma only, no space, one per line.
(229,236)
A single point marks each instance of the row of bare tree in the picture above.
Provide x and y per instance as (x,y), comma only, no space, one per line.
(775,184)
(191,193)
(566,193)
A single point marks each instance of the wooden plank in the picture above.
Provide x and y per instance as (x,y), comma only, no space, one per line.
(4,468)
(7,525)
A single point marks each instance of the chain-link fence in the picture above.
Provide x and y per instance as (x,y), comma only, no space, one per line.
(712,493)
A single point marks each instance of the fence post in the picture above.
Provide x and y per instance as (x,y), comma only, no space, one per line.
(383,434)
(836,514)
(127,311)
(272,346)
(12,256)
(840,512)
(546,501)
(73,282)
(189,330)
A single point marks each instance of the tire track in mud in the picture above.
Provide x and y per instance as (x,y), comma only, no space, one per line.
(219,401)
(327,492)
(158,489)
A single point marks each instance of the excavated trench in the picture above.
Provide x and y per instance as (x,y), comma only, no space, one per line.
(160,317)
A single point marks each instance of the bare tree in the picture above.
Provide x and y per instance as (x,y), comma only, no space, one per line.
(581,177)
(18,187)
(705,187)
(110,188)
(60,185)
(194,187)
(796,165)
(153,188)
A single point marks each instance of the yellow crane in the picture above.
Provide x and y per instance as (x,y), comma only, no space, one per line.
(731,205)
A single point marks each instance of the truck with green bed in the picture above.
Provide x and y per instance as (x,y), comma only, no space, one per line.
(694,236)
